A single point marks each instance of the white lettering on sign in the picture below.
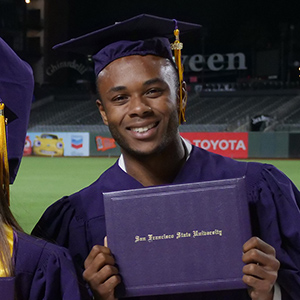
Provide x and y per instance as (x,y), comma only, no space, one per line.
(240,61)
(215,62)
(220,144)
(196,62)
(241,145)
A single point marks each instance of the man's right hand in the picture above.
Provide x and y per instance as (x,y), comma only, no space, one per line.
(101,273)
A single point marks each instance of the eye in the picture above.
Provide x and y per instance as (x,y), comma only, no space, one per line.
(120,99)
(59,145)
(37,143)
(154,92)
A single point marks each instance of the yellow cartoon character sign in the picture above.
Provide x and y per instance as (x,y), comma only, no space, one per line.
(48,145)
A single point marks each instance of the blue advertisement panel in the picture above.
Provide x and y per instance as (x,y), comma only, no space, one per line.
(57,144)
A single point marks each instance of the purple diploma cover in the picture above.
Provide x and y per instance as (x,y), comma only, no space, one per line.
(179,238)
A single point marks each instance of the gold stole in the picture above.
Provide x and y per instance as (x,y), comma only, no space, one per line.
(10,239)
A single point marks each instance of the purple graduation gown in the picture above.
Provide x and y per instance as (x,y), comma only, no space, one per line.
(78,222)
(43,271)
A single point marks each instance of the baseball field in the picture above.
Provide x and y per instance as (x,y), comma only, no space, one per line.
(43,180)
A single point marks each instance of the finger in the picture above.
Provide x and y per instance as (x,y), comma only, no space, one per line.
(257,286)
(260,272)
(99,262)
(257,243)
(106,290)
(255,256)
(98,249)
(94,252)
(259,277)
(96,278)
(105,241)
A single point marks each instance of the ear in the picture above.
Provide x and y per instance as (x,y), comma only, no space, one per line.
(102,111)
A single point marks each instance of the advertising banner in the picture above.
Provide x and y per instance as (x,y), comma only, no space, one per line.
(57,144)
(102,144)
(230,144)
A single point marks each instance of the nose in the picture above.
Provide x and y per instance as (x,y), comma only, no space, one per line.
(139,107)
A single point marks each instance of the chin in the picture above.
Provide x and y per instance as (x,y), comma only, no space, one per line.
(146,152)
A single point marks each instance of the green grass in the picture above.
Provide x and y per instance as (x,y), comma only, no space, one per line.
(41,181)
(291,167)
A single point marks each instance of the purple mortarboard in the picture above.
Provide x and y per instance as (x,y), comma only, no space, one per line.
(16,91)
(141,35)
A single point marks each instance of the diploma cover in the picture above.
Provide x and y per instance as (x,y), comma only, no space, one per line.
(178,238)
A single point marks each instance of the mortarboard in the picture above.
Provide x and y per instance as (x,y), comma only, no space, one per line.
(141,35)
(125,38)
(16,91)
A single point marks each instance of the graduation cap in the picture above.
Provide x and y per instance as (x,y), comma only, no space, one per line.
(16,90)
(141,35)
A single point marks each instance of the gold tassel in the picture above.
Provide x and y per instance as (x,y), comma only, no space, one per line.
(4,175)
(176,47)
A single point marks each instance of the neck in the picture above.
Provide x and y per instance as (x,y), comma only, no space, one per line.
(159,168)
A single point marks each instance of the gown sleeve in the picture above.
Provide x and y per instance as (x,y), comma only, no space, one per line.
(75,222)
(276,219)
(61,225)
(45,272)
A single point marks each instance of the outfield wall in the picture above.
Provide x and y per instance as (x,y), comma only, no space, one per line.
(248,144)
(231,144)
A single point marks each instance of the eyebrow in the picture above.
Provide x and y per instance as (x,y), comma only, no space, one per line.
(153,81)
(117,89)
(146,83)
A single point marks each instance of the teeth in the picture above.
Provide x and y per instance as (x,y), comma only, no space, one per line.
(48,152)
(143,129)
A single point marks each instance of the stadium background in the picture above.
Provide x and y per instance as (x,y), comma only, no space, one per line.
(242,73)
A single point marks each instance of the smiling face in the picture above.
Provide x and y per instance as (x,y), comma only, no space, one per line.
(139,103)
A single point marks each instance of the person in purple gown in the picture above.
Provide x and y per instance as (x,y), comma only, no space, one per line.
(142,100)
(30,268)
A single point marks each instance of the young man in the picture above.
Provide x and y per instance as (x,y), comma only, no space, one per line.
(141,100)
